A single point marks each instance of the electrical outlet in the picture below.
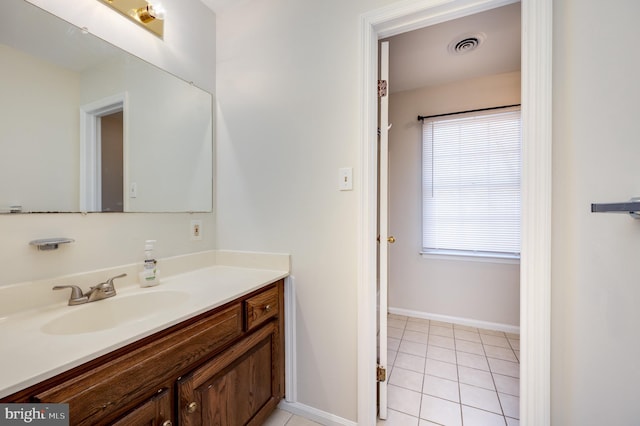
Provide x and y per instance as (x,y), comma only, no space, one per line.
(196,230)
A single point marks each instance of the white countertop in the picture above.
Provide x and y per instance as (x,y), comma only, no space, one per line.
(29,355)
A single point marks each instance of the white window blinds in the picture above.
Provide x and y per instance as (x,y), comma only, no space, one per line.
(471,184)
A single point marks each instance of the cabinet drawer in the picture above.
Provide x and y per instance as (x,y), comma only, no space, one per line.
(260,308)
(156,411)
(105,391)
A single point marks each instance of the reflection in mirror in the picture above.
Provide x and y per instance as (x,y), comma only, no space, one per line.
(85,126)
(111,159)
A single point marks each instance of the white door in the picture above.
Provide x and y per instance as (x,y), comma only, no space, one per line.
(383,223)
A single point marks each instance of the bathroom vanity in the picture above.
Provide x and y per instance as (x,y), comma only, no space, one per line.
(222,366)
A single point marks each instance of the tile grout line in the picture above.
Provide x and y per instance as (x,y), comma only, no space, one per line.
(424,371)
(493,380)
(455,354)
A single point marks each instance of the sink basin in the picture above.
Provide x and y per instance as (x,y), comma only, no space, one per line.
(112,312)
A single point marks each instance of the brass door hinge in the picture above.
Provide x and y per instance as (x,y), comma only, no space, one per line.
(382,88)
(381,374)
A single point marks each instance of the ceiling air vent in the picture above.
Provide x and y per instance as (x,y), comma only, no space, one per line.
(466,43)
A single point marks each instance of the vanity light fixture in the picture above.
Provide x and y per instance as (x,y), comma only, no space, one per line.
(150,12)
(149,16)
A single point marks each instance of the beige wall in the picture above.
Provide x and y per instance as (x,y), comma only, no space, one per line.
(36,124)
(471,289)
(169,161)
(105,240)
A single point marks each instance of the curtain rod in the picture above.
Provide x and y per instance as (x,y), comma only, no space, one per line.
(422,117)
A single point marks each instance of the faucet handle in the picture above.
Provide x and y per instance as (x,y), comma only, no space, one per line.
(107,287)
(110,280)
(77,297)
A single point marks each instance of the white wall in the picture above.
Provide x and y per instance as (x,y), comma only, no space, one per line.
(595,289)
(36,124)
(455,287)
(104,240)
(287,120)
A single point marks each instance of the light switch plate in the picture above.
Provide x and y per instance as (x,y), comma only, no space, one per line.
(346,179)
(133,190)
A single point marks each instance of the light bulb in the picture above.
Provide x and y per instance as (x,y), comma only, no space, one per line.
(157,11)
(150,13)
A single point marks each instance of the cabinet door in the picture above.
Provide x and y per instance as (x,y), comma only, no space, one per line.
(155,412)
(239,387)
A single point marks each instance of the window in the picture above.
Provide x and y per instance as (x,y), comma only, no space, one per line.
(471,184)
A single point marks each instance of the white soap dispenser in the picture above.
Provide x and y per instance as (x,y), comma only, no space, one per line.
(150,274)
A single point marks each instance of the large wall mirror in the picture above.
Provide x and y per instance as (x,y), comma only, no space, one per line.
(87,127)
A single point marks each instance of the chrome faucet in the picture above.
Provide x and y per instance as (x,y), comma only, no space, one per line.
(98,292)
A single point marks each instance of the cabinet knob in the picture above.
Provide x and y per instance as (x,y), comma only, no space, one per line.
(192,407)
(391,239)
(167,423)
(267,308)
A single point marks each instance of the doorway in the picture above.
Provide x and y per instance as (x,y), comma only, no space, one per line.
(111,161)
(103,143)
(535,268)
(462,278)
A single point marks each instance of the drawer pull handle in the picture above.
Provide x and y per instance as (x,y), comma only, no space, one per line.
(192,407)
(267,308)
(167,423)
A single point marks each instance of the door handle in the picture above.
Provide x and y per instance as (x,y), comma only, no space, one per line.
(391,239)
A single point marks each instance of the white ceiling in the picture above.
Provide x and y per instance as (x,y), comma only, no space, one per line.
(218,5)
(421,58)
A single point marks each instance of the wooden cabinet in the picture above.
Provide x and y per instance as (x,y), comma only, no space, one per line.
(130,378)
(224,367)
(233,387)
(261,308)
(155,412)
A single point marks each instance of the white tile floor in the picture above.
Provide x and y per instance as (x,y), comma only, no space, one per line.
(446,374)
(282,418)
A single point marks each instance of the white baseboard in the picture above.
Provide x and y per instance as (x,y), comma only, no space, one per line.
(314,414)
(290,359)
(457,320)
(290,403)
